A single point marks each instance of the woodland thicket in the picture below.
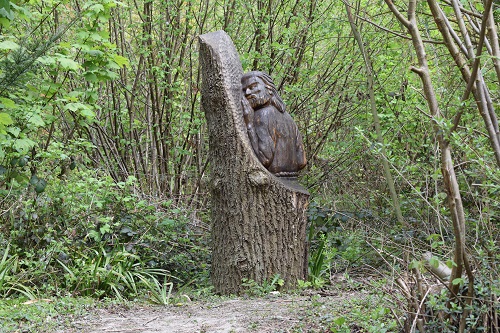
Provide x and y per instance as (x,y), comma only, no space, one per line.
(103,147)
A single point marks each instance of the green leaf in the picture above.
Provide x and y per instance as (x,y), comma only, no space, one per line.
(20,177)
(105,229)
(5,4)
(74,106)
(450,263)
(88,113)
(458,281)
(94,234)
(121,61)
(97,8)
(94,53)
(64,45)
(36,120)
(5,10)
(14,131)
(8,45)
(46,60)
(7,103)
(110,75)
(4,22)
(339,321)
(96,37)
(5,119)
(68,63)
(83,109)
(113,65)
(23,145)
(415,264)
(91,77)
(434,262)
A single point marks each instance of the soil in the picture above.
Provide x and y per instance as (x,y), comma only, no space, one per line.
(273,313)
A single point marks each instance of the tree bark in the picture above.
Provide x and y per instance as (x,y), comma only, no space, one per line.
(258,220)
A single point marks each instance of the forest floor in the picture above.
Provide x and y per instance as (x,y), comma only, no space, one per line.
(274,313)
(347,305)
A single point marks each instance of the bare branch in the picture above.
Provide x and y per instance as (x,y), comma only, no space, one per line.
(475,67)
(376,119)
(462,9)
(428,41)
(454,35)
(412,9)
(417,70)
(463,30)
(398,14)
(476,30)
(495,48)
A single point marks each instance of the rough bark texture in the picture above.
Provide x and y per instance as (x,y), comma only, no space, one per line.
(259,220)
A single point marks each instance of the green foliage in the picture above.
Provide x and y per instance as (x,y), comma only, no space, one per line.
(334,246)
(8,269)
(42,315)
(89,236)
(453,309)
(118,274)
(160,293)
(367,314)
(254,289)
(113,87)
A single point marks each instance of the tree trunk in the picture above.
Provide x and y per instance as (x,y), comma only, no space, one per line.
(259,220)
(376,119)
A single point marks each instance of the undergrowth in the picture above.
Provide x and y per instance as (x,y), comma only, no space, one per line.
(86,235)
(89,236)
(44,315)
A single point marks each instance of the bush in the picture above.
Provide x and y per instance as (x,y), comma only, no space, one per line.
(87,235)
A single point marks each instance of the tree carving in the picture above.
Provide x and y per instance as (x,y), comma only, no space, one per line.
(273,134)
(259,220)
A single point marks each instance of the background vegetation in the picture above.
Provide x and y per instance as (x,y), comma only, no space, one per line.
(103,147)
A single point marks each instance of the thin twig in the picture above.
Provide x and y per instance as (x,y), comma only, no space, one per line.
(150,321)
(479,50)
(428,41)
(418,310)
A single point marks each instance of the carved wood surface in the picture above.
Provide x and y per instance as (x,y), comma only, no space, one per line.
(258,220)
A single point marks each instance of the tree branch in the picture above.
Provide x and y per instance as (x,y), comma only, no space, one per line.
(398,14)
(479,50)
(412,9)
(468,44)
(376,119)
(448,2)
(417,70)
(428,41)
(495,48)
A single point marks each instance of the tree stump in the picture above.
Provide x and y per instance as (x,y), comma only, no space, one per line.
(258,220)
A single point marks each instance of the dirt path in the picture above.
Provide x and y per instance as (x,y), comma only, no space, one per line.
(277,313)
